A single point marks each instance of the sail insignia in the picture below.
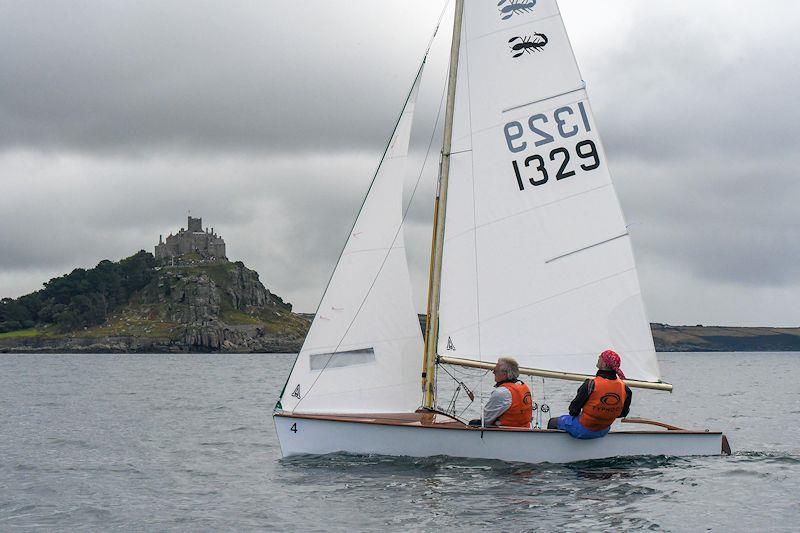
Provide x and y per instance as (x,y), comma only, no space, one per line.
(509,8)
(528,44)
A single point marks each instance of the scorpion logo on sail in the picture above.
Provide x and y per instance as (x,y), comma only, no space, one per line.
(527,45)
(514,7)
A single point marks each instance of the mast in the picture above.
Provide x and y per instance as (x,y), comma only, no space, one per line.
(440,207)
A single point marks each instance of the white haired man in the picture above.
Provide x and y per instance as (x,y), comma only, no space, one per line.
(510,403)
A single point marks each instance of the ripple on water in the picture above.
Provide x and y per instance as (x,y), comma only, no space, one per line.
(767,456)
(193,450)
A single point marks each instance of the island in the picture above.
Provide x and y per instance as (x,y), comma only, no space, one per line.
(186,297)
(189,297)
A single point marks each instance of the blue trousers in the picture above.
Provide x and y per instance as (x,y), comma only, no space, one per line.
(571,425)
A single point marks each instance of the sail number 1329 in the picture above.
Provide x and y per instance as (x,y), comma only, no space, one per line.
(539,167)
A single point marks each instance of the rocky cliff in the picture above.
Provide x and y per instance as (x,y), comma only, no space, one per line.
(216,307)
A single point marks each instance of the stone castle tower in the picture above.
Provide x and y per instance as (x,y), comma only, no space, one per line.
(206,244)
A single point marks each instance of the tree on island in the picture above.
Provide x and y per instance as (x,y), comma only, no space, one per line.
(81,298)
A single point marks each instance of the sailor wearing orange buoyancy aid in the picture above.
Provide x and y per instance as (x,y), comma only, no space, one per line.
(598,403)
(510,403)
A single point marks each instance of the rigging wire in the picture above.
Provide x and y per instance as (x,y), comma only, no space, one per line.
(544,409)
(405,213)
(452,404)
(483,418)
(538,420)
(461,385)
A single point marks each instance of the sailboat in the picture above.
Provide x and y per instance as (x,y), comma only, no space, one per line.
(530,258)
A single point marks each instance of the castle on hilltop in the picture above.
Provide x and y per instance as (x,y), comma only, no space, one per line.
(207,245)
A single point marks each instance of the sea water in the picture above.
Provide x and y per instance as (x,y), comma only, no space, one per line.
(186,443)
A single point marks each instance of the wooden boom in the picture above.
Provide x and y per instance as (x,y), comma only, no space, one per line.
(552,374)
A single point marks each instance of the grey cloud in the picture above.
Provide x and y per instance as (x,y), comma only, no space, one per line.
(719,222)
(270,76)
(284,218)
(267,119)
(701,85)
(696,109)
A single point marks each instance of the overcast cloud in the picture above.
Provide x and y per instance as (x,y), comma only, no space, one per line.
(268,118)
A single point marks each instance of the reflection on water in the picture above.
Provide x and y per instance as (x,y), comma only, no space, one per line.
(185,442)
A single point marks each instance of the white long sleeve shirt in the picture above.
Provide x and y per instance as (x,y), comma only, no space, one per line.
(497,404)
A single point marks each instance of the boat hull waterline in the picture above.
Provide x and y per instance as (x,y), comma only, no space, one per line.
(321,434)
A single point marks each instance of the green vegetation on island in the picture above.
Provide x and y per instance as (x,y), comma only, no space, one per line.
(136,305)
(82,298)
(186,297)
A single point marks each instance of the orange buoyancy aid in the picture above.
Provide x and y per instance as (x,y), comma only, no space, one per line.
(520,413)
(604,405)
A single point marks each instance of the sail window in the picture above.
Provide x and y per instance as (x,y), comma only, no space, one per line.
(320,361)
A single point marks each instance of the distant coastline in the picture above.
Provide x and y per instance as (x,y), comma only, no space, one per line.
(667,338)
(699,338)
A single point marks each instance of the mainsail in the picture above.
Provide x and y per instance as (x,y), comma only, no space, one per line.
(364,347)
(537,259)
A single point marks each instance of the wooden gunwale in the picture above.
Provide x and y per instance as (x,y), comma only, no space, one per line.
(417,420)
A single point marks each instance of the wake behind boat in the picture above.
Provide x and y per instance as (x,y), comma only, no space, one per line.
(530,258)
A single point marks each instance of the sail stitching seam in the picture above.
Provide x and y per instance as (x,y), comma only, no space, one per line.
(507,28)
(374,250)
(519,213)
(513,108)
(330,394)
(633,269)
(368,341)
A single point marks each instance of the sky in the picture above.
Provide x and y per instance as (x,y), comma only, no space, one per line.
(267,119)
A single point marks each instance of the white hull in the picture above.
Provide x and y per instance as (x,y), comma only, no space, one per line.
(311,435)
